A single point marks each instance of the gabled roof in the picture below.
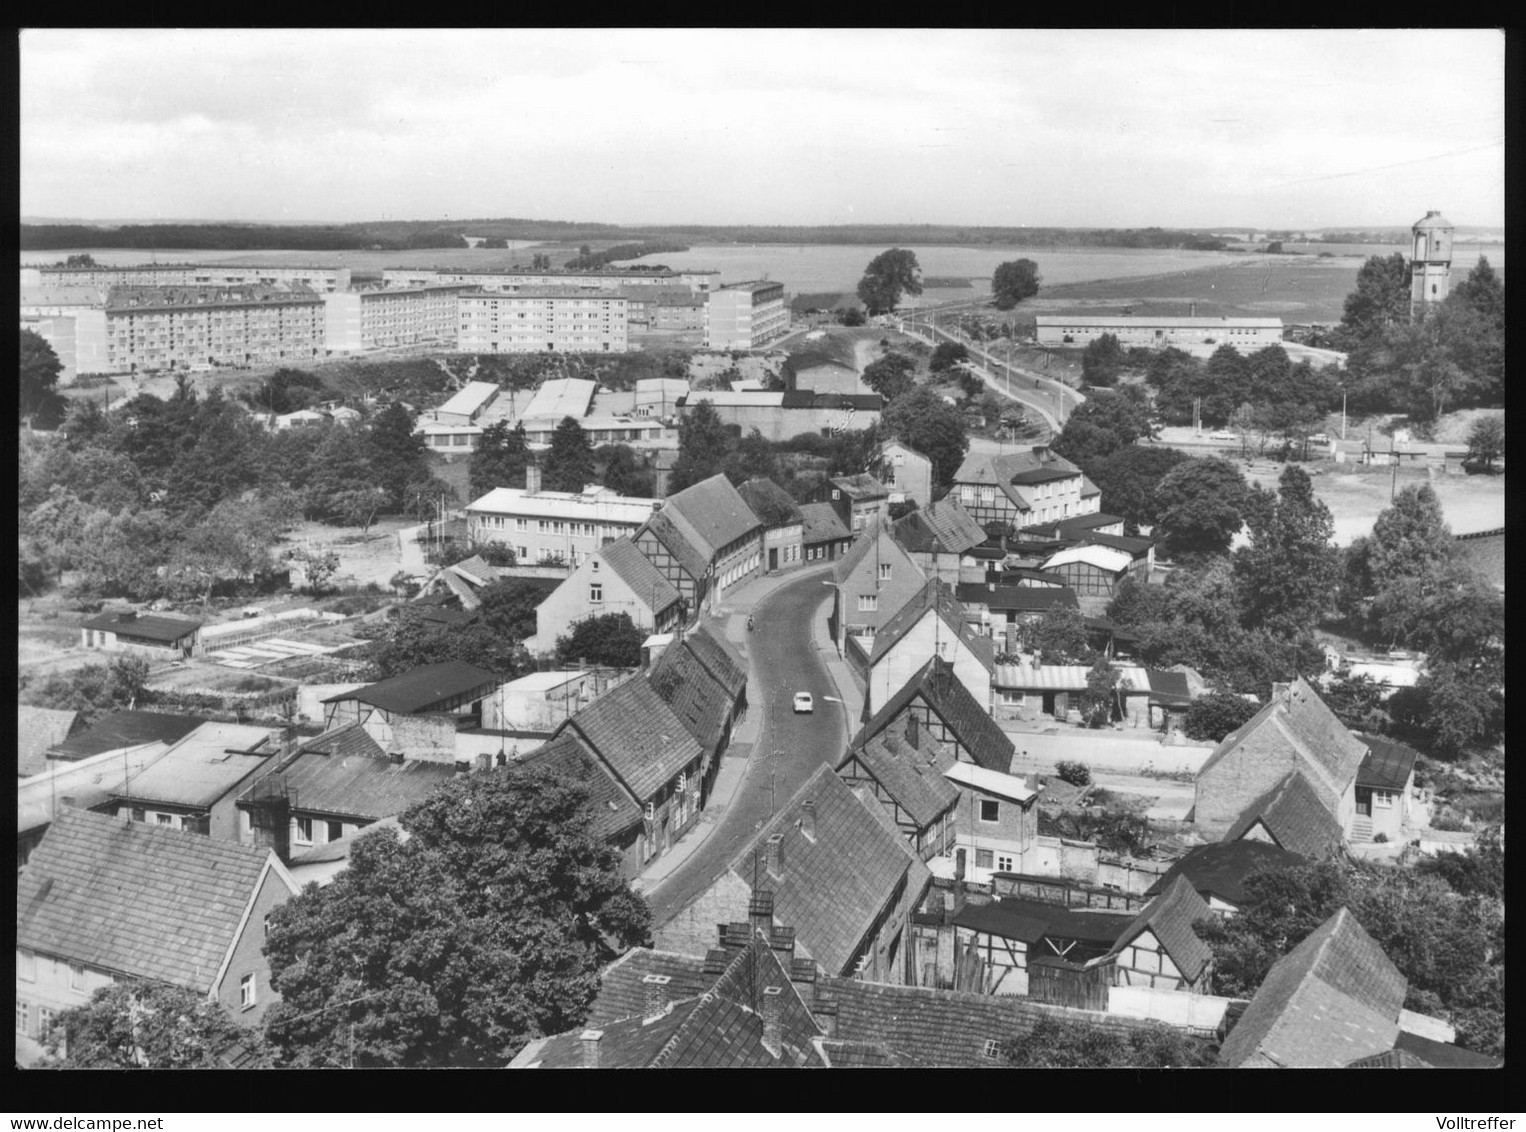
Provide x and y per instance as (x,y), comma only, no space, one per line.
(636,571)
(567,756)
(637,736)
(833,889)
(719,659)
(1220,869)
(421,688)
(939,598)
(1016,468)
(622,993)
(344,773)
(943,527)
(204,766)
(1169,918)
(907,775)
(1033,920)
(1387,765)
(37,731)
(146,901)
(1018,599)
(873,542)
(822,523)
(690,556)
(1292,813)
(1333,999)
(695,697)
(1411,1051)
(150,627)
(773,506)
(1102,557)
(1329,753)
(950,700)
(860,487)
(714,512)
(120,729)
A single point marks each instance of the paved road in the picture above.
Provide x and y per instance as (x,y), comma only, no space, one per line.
(790,747)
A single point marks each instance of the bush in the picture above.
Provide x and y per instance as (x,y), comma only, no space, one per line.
(1380,838)
(1074,772)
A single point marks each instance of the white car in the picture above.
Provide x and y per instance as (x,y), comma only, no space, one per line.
(1222,436)
(804,705)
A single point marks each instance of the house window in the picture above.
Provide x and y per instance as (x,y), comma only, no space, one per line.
(23,1016)
(868,603)
(983,858)
(1382,799)
(1004,864)
(990,810)
(26,965)
(76,977)
(246,992)
(45,1016)
(595,594)
(165,819)
(305,831)
(884,571)
(336,830)
(967,494)
(992,1049)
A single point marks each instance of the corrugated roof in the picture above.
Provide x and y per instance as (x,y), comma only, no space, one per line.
(821,524)
(1169,917)
(1008,786)
(421,688)
(149,626)
(1333,999)
(344,773)
(205,765)
(120,729)
(907,775)
(1102,557)
(147,901)
(1293,814)
(470,398)
(1220,869)
(638,737)
(833,889)
(636,571)
(1387,765)
(943,527)
(714,512)
(561,397)
(615,812)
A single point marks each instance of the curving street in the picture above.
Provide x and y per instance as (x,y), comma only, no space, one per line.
(784,660)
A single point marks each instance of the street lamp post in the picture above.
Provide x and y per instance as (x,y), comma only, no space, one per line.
(1343,410)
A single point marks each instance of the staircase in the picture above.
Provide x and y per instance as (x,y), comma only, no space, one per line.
(1361,828)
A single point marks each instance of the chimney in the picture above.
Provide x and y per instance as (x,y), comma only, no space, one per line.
(715,961)
(532,476)
(826,1014)
(1192,309)
(590,1040)
(808,820)
(656,987)
(396,757)
(783,940)
(776,856)
(802,972)
(485,761)
(760,914)
(772,1036)
(1281,691)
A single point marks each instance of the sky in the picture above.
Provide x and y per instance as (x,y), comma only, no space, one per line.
(1299,129)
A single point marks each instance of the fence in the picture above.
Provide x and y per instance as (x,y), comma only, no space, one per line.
(232,634)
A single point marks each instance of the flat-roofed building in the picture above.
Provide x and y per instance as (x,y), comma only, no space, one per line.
(501,279)
(73,321)
(561,397)
(466,404)
(543,319)
(155,328)
(387,318)
(745,316)
(1158,330)
(782,415)
(542,525)
(311,276)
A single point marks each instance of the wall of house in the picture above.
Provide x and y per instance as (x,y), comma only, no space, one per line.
(1145,963)
(692,930)
(1003,962)
(1253,767)
(890,590)
(1005,840)
(249,959)
(573,601)
(1389,811)
(908,473)
(912,651)
(1198,1013)
(737,563)
(785,543)
(429,737)
(51,988)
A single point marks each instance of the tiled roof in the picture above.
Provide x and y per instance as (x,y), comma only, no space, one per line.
(637,736)
(947,696)
(152,626)
(860,487)
(1033,920)
(146,901)
(1168,686)
(774,506)
(1220,869)
(1387,765)
(1018,599)
(690,557)
(346,774)
(833,889)
(720,660)
(622,994)
(933,595)
(205,765)
(38,730)
(1169,917)
(1431,1054)
(714,511)
(1333,999)
(695,697)
(615,811)
(423,687)
(943,527)
(822,523)
(863,1055)
(636,571)
(126,729)
(907,775)
(1295,816)
(864,544)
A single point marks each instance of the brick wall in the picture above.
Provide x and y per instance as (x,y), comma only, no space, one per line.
(692,930)
(1240,777)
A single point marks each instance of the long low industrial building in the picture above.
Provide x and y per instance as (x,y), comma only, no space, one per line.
(187,275)
(782,415)
(1157,330)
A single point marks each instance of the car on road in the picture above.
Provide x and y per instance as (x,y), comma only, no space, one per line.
(804,705)
(1319,438)
(1222,436)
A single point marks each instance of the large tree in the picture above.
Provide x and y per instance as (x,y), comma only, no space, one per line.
(1380,300)
(610,640)
(624,471)
(891,375)
(1129,481)
(703,444)
(1102,360)
(1202,504)
(148,1025)
(1014,281)
(499,459)
(922,420)
(397,453)
(569,464)
(1290,570)
(888,276)
(1486,441)
(946,355)
(485,929)
(37,381)
(1215,715)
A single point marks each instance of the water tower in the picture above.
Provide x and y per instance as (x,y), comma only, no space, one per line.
(1430,263)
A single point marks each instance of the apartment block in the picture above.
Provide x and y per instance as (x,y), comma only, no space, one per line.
(609,279)
(382,319)
(745,316)
(157,328)
(542,525)
(536,320)
(193,275)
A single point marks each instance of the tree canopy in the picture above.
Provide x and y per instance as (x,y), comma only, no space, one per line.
(1216,714)
(888,276)
(1059,1043)
(37,381)
(1102,360)
(891,375)
(703,444)
(569,463)
(1014,281)
(1202,504)
(146,1025)
(485,929)
(499,459)
(1290,570)
(608,639)
(946,354)
(922,420)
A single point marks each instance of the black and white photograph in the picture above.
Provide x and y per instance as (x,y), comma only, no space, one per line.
(729,548)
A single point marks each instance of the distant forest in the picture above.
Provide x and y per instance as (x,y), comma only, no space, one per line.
(398,235)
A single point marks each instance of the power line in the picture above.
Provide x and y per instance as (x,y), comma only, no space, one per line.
(1395,165)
